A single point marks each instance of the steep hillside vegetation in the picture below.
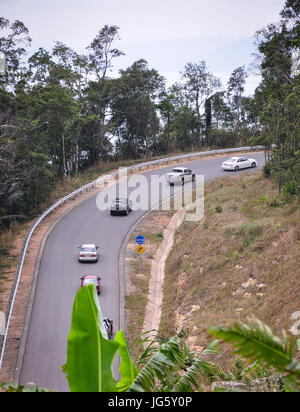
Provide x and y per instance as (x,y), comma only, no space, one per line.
(241,260)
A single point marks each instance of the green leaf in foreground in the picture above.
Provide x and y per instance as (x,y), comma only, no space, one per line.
(128,371)
(90,354)
(189,380)
(257,342)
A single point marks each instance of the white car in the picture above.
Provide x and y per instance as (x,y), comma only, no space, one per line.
(88,253)
(237,163)
(180,175)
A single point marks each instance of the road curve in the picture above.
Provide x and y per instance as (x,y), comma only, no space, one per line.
(59,274)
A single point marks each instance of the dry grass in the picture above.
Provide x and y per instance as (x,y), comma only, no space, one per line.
(138,272)
(10,246)
(242,260)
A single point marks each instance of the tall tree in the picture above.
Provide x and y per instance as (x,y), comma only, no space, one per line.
(235,91)
(199,85)
(220,109)
(13,46)
(280,95)
(102,51)
(133,107)
(208,120)
(101,55)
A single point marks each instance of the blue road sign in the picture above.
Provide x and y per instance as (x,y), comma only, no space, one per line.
(140,240)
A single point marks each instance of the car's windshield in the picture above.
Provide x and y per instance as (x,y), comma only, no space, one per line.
(88,249)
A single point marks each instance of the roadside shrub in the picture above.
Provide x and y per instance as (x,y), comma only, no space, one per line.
(160,235)
(267,170)
(274,203)
(246,232)
(264,200)
(219,209)
(290,189)
(250,229)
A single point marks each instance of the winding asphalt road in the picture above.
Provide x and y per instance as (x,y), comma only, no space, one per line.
(60,272)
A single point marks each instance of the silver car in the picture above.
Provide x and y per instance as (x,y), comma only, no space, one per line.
(237,163)
(121,206)
(88,253)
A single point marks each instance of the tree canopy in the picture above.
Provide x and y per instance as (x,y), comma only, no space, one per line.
(62,112)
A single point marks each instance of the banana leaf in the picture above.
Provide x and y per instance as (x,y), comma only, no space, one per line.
(90,354)
(127,369)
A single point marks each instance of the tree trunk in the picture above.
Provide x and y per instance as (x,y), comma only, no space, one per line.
(64,167)
(199,117)
(76,156)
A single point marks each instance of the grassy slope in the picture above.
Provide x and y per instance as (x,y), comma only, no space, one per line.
(241,237)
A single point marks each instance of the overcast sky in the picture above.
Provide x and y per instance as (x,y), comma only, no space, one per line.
(166,33)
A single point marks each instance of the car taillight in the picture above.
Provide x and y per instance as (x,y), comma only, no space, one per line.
(81,255)
(93,255)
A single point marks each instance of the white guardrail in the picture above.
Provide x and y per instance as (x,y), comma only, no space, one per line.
(80,190)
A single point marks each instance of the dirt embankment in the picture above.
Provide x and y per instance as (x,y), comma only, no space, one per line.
(241,260)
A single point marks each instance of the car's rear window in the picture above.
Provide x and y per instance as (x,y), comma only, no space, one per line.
(120,201)
(88,281)
(177,171)
(88,249)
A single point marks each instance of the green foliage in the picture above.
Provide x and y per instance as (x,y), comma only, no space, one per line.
(291,189)
(168,365)
(7,387)
(246,232)
(256,342)
(278,97)
(90,354)
(128,371)
(199,366)
(159,235)
(13,44)
(134,116)
(219,209)
(274,203)
(264,200)
(267,170)
(60,111)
